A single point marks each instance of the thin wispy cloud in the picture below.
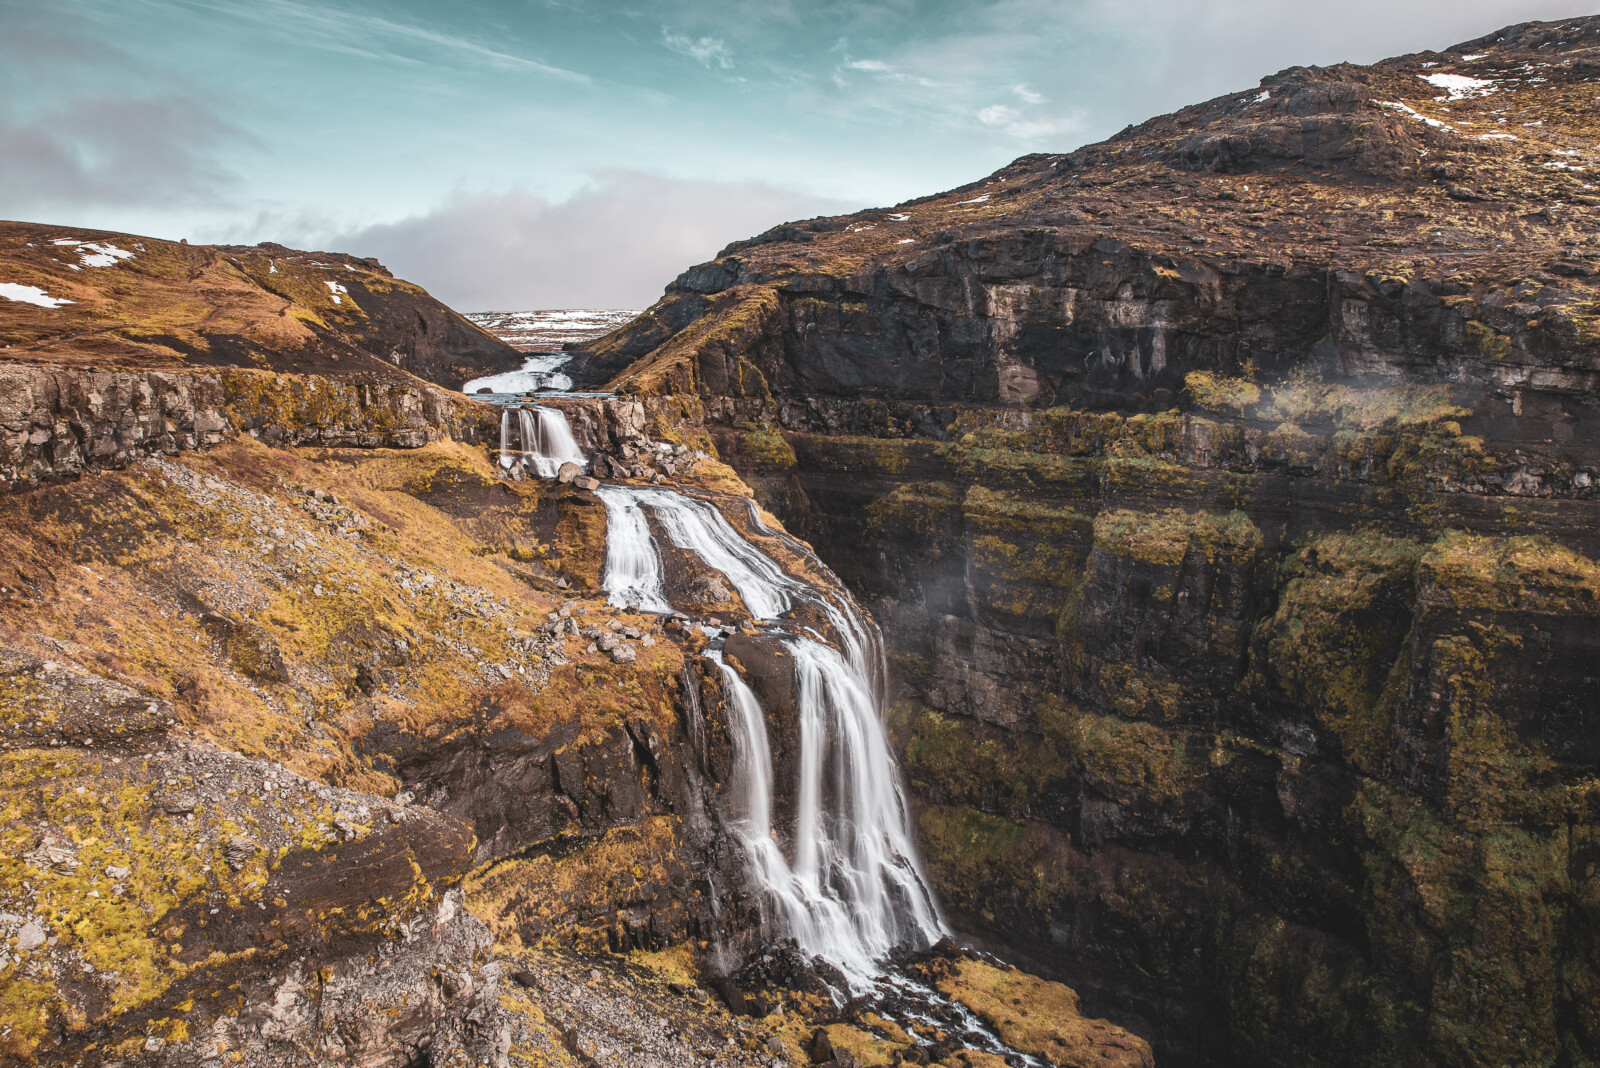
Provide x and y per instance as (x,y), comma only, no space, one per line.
(357,33)
(706,51)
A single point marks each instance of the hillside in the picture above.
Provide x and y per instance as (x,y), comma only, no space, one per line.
(89,298)
(1227,492)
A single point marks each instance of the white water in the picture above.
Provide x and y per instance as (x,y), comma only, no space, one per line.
(633,567)
(545,440)
(538,371)
(850,889)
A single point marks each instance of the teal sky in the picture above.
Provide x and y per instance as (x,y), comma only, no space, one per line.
(542,153)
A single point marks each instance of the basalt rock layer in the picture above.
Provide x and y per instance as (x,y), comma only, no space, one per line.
(1227,492)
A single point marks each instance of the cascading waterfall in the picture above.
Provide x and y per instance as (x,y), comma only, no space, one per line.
(545,438)
(852,890)
(633,567)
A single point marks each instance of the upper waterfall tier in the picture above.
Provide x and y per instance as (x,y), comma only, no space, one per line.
(544,439)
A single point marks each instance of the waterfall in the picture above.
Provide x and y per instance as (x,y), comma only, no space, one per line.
(851,890)
(545,438)
(633,567)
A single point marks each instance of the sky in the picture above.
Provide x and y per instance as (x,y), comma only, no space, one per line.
(515,154)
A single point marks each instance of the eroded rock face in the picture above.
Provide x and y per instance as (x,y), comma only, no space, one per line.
(58,423)
(1227,494)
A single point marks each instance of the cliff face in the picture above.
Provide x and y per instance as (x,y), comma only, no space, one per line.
(1227,494)
(320,742)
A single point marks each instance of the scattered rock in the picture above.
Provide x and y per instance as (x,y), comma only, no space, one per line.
(31,937)
(568,472)
(239,851)
(179,805)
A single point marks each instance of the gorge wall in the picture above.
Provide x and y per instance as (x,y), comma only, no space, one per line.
(321,743)
(1227,494)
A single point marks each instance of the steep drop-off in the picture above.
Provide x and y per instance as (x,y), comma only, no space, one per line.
(1227,494)
(320,743)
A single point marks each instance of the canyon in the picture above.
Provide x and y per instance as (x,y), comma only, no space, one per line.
(1224,493)
(332,735)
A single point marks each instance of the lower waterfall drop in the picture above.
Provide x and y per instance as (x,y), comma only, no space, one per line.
(545,437)
(851,890)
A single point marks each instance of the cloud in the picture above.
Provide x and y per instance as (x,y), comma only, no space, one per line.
(367,36)
(616,243)
(111,150)
(1026,95)
(703,50)
(876,65)
(1044,132)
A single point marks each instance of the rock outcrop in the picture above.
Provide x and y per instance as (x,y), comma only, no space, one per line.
(58,423)
(1227,492)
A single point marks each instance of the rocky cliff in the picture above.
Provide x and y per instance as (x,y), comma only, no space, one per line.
(1227,491)
(321,743)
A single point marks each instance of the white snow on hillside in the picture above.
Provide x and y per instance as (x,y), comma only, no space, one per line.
(30,295)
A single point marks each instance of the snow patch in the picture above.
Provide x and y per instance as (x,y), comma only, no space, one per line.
(906,241)
(30,294)
(975,200)
(334,289)
(102,255)
(899,217)
(1261,97)
(1415,114)
(1497,137)
(1459,86)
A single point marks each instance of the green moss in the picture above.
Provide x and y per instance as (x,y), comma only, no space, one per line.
(1220,393)
(1165,537)
(929,512)
(1024,556)
(766,448)
(1282,984)
(1486,340)
(1510,574)
(1337,643)
(1123,758)
(858,454)
(1474,922)
(950,759)
(1136,693)
(1306,399)
(978,860)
